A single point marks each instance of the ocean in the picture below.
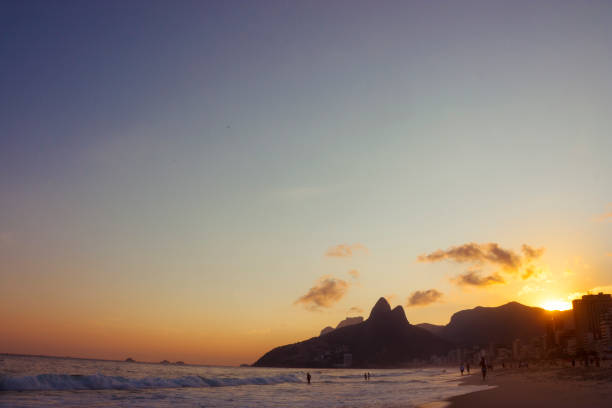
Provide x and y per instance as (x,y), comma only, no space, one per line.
(27,381)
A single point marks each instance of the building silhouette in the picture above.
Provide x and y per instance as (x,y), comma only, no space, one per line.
(588,313)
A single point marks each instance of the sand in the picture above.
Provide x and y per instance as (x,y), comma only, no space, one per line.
(540,387)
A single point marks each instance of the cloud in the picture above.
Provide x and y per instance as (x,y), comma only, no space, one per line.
(355,310)
(390,297)
(423,297)
(474,278)
(489,253)
(532,253)
(324,293)
(354,273)
(530,271)
(344,250)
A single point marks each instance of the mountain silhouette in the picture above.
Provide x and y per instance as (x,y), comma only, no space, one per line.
(499,325)
(385,339)
(349,321)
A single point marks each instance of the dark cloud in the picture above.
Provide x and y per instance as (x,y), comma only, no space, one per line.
(423,297)
(325,293)
(472,252)
(532,253)
(489,253)
(344,250)
(473,278)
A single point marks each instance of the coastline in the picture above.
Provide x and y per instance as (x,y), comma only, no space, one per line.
(539,387)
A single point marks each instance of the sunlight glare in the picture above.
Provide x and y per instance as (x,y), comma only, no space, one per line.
(556,304)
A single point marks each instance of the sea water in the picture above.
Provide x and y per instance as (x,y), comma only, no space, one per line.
(27,381)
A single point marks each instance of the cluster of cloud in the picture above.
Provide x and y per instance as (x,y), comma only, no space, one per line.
(473,278)
(325,293)
(489,253)
(423,297)
(344,250)
(328,290)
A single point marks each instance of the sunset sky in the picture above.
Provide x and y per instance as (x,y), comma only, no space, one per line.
(203,181)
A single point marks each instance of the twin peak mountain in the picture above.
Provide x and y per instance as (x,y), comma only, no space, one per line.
(387,339)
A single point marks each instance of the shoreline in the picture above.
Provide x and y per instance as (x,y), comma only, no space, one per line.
(538,387)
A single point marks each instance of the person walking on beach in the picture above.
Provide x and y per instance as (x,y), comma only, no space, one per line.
(483,367)
(467,367)
(461,368)
(308,377)
(365,376)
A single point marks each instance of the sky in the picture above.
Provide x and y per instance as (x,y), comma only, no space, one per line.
(204,181)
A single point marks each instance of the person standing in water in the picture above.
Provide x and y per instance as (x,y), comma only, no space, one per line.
(483,367)
(308,377)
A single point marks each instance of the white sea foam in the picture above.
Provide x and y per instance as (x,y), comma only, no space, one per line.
(103,382)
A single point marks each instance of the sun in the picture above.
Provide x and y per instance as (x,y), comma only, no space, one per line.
(556,304)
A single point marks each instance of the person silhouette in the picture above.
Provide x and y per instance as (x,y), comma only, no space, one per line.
(467,367)
(461,368)
(308,377)
(483,366)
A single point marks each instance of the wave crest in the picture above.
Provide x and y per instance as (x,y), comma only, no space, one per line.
(103,382)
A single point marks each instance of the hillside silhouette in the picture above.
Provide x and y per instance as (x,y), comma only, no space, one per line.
(385,339)
(499,325)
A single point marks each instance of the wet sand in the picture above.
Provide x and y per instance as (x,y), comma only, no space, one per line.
(540,387)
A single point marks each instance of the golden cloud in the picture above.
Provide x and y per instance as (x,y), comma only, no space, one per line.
(325,293)
(423,297)
(489,253)
(344,250)
(473,278)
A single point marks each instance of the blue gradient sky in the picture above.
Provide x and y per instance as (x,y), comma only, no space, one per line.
(184,166)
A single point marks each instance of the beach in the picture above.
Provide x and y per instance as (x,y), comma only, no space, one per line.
(37,381)
(540,387)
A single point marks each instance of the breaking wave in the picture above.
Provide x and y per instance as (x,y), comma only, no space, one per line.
(104,382)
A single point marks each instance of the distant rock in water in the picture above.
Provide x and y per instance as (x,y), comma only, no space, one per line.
(245,365)
(129,360)
(180,363)
(165,362)
(385,339)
